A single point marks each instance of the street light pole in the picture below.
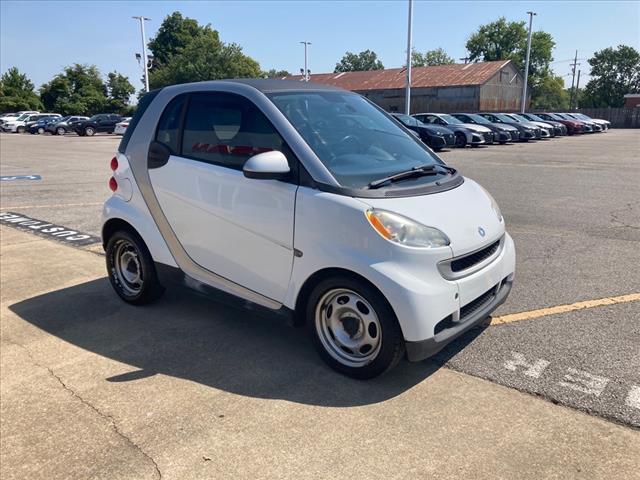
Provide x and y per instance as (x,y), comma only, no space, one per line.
(144,51)
(523,104)
(407,105)
(306,70)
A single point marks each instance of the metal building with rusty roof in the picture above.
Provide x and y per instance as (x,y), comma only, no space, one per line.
(471,87)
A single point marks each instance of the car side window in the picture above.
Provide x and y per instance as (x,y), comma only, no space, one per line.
(169,124)
(226,129)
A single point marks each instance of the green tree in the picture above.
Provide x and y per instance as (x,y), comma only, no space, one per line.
(357,62)
(503,40)
(551,94)
(78,90)
(17,93)
(273,73)
(195,53)
(120,89)
(614,73)
(175,33)
(436,56)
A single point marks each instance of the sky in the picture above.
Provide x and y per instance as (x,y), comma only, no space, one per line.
(40,38)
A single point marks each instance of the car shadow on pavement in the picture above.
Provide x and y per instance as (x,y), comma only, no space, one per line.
(236,350)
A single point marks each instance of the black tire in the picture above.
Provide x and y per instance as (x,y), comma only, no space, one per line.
(391,346)
(89,131)
(40,131)
(20,130)
(461,140)
(123,245)
(60,131)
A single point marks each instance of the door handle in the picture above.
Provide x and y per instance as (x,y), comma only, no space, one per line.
(158,155)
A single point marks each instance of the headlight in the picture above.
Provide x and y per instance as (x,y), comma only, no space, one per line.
(494,204)
(402,230)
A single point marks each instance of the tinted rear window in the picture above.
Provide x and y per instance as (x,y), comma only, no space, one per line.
(143,104)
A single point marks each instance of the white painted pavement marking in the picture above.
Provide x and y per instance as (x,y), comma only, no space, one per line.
(585,382)
(633,399)
(532,369)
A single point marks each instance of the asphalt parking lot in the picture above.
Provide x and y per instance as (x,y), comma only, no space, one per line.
(187,388)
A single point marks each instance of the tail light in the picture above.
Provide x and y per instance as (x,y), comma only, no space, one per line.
(114,164)
(113,185)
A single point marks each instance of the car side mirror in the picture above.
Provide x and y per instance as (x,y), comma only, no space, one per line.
(271,165)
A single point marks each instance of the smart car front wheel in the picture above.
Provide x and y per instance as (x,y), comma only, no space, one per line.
(353,328)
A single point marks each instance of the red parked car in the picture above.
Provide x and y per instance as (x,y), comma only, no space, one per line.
(573,126)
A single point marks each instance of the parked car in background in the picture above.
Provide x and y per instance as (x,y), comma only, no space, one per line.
(605,124)
(7,117)
(466,133)
(23,122)
(559,128)
(587,127)
(39,126)
(64,124)
(100,123)
(502,133)
(546,130)
(573,126)
(595,126)
(121,126)
(435,136)
(362,233)
(528,131)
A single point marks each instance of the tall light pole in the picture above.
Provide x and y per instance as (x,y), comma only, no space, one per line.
(144,51)
(523,104)
(306,70)
(407,105)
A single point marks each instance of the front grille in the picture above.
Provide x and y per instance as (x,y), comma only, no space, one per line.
(475,305)
(469,261)
(488,137)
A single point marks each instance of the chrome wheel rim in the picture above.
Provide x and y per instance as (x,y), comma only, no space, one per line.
(127,268)
(89,131)
(348,327)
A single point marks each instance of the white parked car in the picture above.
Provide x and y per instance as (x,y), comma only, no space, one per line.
(121,126)
(267,191)
(14,116)
(24,121)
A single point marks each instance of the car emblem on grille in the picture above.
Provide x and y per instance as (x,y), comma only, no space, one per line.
(481,231)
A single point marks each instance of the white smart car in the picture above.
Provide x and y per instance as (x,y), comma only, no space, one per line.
(267,191)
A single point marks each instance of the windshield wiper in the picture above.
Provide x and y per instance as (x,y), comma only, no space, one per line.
(412,173)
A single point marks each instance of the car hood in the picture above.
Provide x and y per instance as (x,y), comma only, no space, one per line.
(462,213)
(437,129)
(506,126)
(475,128)
(541,124)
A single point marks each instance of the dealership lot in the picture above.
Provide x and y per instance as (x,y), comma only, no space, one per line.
(194,388)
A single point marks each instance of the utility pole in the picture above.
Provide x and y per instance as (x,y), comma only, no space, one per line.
(575,107)
(573,77)
(523,104)
(465,59)
(407,105)
(144,51)
(305,74)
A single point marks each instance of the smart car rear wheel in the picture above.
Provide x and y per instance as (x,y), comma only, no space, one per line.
(353,328)
(131,269)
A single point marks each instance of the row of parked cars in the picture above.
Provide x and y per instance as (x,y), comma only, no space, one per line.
(442,130)
(56,124)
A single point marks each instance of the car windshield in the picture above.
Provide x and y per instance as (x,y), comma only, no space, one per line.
(519,118)
(478,118)
(535,117)
(450,119)
(504,118)
(354,150)
(409,120)
(24,116)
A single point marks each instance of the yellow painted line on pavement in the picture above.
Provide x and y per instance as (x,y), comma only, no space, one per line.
(544,312)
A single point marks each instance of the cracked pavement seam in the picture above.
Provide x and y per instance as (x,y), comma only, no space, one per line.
(103,415)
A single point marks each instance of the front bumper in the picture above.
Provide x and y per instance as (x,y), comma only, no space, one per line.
(491,300)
